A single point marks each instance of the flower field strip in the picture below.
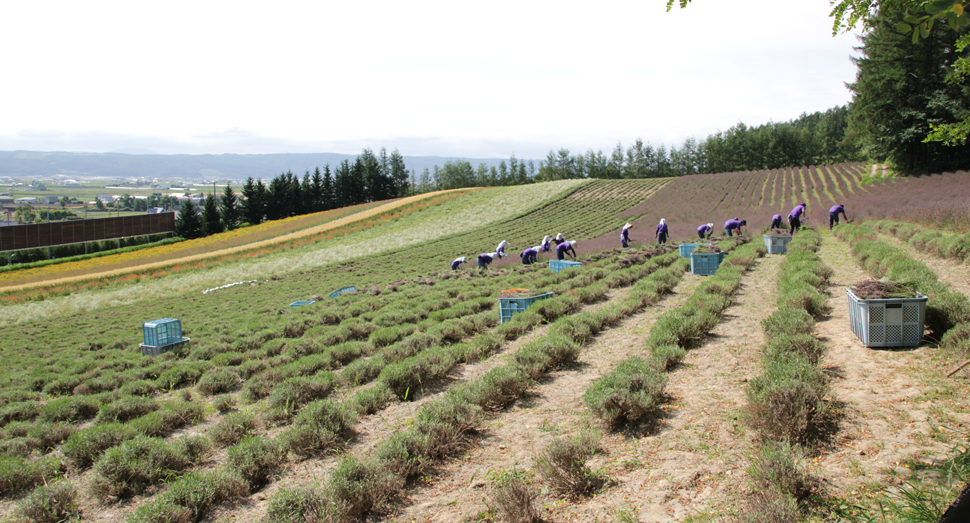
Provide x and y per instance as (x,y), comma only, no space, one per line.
(633,390)
(458,214)
(945,310)
(941,244)
(400,456)
(262,238)
(564,276)
(464,352)
(786,403)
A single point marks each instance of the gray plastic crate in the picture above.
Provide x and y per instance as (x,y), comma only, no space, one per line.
(777,244)
(892,322)
(687,248)
(705,264)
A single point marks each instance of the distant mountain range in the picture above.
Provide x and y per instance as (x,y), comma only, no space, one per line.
(211,167)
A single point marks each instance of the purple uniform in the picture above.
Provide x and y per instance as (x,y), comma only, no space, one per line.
(529,255)
(625,236)
(797,212)
(545,244)
(457,263)
(733,225)
(500,250)
(704,230)
(834,215)
(563,248)
(776,221)
(485,258)
(795,218)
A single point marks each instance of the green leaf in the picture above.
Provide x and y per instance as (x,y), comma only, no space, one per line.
(938,6)
(911,19)
(915,36)
(952,22)
(903,27)
(929,25)
(923,31)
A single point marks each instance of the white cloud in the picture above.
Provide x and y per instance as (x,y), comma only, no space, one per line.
(442,77)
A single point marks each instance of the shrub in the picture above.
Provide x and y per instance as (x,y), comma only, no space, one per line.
(405,453)
(232,428)
(318,427)
(52,503)
(219,381)
(47,435)
(22,411)
(18,473)
(297,505)
(137,464)
(445,422)
(190,498)
(804,344)
(786,401)
(72,409)
(224,403)
(362,371)
(788,321)
(668,356)
(405,379)
(259,386)
(563,464)
(138,388)
(631,391)
(371,400)
(255,459)
(347,351)
(778,465)
(358,487)
(85,445)
(497,389)
(512,497)
(170,417)
(293,393)
(125,409)
(182,375)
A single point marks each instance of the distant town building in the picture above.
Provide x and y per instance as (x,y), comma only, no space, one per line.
(27,200)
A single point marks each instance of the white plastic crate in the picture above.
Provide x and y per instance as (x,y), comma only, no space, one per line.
(777,244)
(891,322)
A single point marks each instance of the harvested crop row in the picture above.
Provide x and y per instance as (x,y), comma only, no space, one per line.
(787,402)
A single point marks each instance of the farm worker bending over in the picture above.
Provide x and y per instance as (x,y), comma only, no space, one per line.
(661,232)
(705,231)
(545,244)
(734,225)
(500,250)
(834,215)
(565,247)
(776,222)
(485,258)
(529,255)
(559,239)
(795,218)
(625,235)
(455,265)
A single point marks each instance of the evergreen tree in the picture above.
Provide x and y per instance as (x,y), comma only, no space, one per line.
(228,209)
(211,220)
(316,192)
(327,196)
(901,89)
(188,225)
(254,208)
(399,175)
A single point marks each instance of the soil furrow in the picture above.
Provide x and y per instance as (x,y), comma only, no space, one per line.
(552,409)
(895,405)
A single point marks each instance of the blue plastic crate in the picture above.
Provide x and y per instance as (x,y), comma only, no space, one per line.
(298,303)
(346,290)
(705,264)
(159,333)
(687,248)
(776,244)
(558,265)
(510,306)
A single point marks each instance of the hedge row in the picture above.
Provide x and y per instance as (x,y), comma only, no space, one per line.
(786,403)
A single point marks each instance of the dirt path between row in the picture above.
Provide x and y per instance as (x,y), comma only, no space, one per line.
(895,405)
(687,464)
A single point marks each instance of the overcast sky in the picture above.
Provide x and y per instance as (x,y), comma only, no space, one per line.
(445,78)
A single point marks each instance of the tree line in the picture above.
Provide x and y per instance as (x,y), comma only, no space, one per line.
(368,178)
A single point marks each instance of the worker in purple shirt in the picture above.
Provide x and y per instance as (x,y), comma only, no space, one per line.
(559,239)
(500,250)
(455,265)
(529,255)
(565,247)
(485,258)
(734,225)
(795,218)
(545,244)
(661,233)
(705,231)
(776,222)
(834,215)
(625,235)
